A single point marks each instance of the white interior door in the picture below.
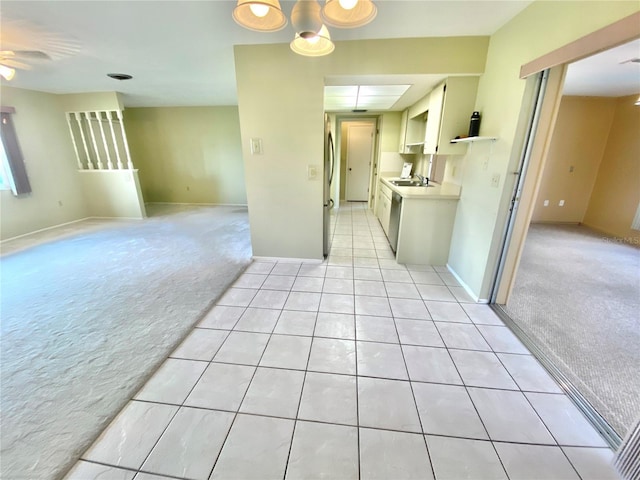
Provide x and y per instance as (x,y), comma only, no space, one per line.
(360,138)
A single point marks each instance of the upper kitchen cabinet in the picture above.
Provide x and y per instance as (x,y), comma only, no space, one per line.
(411,132)
(450,106)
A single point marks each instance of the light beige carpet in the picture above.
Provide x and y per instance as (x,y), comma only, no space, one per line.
(87,317)
(577,295)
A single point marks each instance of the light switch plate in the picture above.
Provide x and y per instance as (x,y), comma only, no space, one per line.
(495,180)
(256,146)
(312,172)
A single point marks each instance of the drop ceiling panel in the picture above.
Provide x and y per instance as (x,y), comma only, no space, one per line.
(376,102)
(341,91)
(384,90)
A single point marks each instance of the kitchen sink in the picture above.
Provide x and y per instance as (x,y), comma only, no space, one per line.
(408,183)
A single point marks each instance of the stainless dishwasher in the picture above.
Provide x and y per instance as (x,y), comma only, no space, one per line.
(394,220)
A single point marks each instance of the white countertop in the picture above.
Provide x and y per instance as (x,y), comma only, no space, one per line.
(437,191)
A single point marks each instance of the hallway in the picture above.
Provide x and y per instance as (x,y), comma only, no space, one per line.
(354,368)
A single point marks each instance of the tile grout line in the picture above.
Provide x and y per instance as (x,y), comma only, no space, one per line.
(182,405)
(304,381)
(244,395)
(415,403)
(475,408)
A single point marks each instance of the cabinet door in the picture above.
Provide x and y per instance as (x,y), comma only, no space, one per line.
(386,214)
(434,116)
(403,131)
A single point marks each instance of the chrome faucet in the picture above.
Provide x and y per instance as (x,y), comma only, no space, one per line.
(423,180)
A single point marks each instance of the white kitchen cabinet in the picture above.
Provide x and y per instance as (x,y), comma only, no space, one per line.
(403,131)
(450,106)
(426,226)
(384,206)
(411,132)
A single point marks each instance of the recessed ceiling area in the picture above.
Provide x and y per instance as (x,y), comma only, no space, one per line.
(606,74)
(376,92)
(358,97)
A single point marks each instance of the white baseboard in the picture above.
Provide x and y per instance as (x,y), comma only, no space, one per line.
(116,218)
(466,287)
(45,229)
(286,259)
(199,204)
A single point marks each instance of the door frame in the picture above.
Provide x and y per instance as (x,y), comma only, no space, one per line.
(517,222)
(373,171)
(536,142)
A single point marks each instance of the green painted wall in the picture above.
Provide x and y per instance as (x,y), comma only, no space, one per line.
(43,135)
(187,154)
(280,99)
(541,28)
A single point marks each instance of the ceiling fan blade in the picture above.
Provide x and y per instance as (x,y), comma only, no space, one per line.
(10,62)
(35,42)
(31,55)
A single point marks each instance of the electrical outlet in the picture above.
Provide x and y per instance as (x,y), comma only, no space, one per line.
(256,146)
(561,203)
(545,203)
(495,180)
(312,172)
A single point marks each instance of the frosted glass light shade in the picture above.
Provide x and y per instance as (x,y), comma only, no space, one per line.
(7,72)
(316,46)
(246,16)
(335,15)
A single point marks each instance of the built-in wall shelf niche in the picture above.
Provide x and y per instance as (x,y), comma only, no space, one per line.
(474,139)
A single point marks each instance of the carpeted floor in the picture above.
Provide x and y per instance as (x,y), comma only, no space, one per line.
(90,314)
(578,296)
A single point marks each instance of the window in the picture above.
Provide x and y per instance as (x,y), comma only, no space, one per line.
(13,174)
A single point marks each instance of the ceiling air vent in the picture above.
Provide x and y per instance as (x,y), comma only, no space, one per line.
(119,76)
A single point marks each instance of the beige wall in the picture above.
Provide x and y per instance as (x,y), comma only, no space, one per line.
(56,198)
(113,193)
(482,210)
(285,109)
(579,140)
(85,102)
(187,154)
(616,193)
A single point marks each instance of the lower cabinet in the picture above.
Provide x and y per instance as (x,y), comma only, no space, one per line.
(384,207)
(426,226)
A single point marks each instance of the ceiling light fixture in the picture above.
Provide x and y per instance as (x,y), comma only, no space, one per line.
(305,18)
(316,46)
(7,72)
(349,13)
(260,16)
(312,37)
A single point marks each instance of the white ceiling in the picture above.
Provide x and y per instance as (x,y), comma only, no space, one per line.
(605,74)
(180,53)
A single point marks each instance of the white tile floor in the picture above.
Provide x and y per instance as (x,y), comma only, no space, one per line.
(355,368)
